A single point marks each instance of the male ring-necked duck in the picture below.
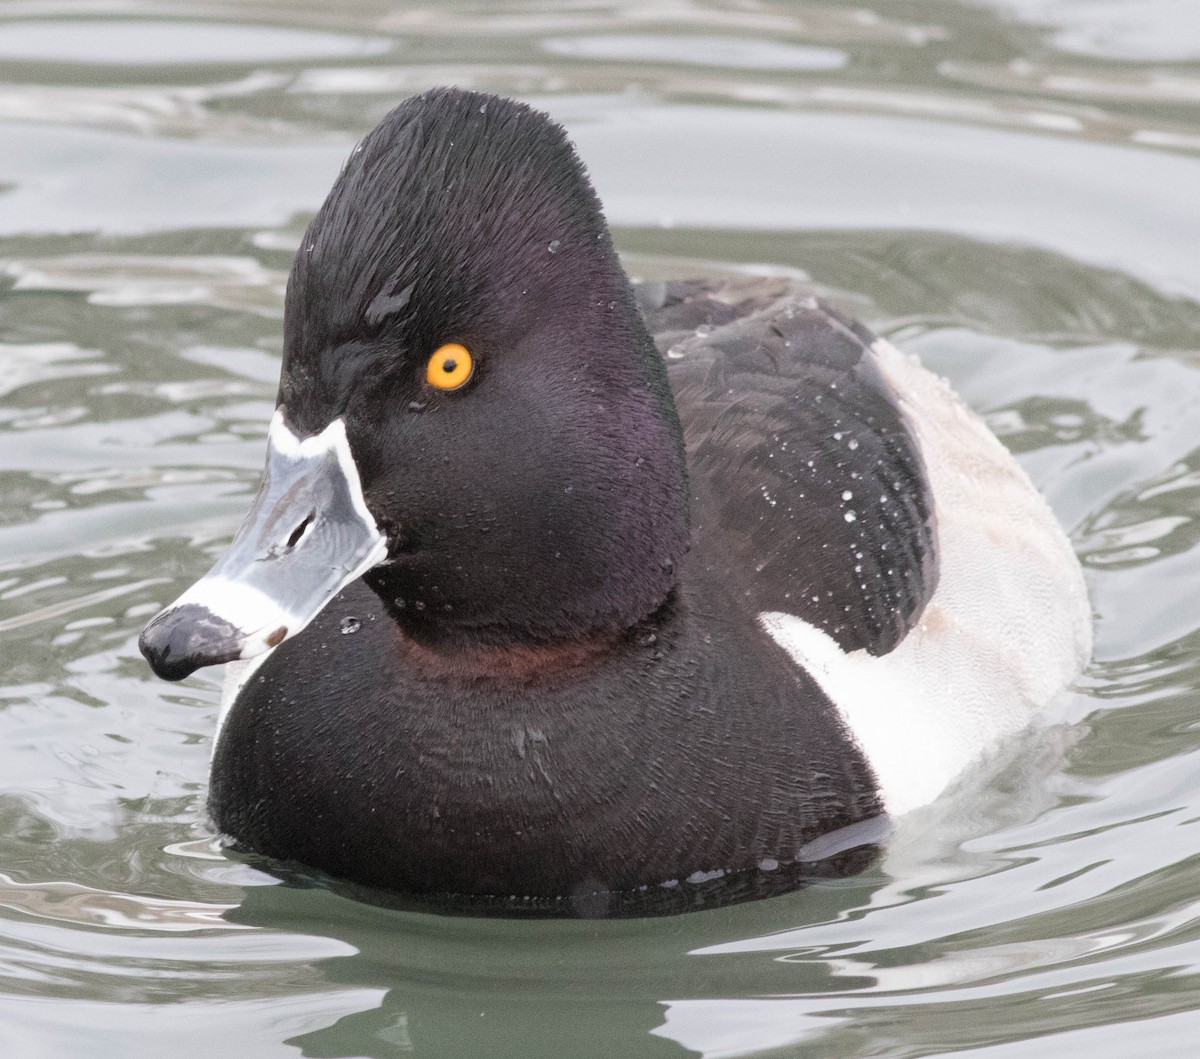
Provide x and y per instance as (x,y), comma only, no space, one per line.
(548,616)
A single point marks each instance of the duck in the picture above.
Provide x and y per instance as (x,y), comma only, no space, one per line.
(567,595)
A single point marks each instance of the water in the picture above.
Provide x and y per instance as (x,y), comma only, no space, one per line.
(1007,187)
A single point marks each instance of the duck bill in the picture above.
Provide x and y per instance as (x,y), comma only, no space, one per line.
(307,536)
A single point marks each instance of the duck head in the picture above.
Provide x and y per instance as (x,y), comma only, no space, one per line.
(471,415)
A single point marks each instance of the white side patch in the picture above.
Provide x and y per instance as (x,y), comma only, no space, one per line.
(1008,627)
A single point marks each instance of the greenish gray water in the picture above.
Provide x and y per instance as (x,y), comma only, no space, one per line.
(1006,187)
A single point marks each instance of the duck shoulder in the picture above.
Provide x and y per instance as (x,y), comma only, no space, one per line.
(808,486)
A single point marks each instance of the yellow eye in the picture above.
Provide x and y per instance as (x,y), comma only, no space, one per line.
(450,367)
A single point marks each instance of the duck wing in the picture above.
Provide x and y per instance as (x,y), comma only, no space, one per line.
(809,489)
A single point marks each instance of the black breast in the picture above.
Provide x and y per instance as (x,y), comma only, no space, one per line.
(689,748)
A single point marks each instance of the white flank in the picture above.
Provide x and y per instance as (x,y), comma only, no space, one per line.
(1008,627)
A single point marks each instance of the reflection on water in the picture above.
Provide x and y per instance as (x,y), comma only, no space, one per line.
(1006,187)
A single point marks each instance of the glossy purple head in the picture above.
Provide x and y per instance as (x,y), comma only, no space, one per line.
(543,499)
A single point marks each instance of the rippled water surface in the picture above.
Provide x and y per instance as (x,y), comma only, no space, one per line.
(1010,188)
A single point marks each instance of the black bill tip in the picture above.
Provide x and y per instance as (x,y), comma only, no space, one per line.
(183,639)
